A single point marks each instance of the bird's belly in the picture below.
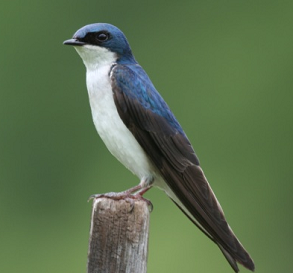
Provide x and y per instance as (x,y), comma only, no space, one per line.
(116,136)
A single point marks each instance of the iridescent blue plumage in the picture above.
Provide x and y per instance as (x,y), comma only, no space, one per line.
(135,83)
(118,42)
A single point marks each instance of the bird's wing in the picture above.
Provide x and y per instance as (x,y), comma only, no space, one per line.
(150,120)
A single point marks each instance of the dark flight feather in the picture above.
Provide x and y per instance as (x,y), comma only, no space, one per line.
(150,120)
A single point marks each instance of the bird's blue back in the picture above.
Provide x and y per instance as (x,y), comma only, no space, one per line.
(134,82)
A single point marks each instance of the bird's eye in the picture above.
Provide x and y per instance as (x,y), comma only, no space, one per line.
(102,36)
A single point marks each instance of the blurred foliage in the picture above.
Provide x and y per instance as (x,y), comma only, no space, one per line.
(224,67)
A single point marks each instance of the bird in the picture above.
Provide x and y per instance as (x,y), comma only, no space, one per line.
(139,129)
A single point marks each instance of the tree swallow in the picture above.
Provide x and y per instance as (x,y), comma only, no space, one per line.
(139,129)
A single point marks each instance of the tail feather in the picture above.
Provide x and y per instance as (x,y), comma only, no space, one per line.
(237,254)
(230,259)
(240,255)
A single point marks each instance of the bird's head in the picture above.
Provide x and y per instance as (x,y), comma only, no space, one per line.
(101,42)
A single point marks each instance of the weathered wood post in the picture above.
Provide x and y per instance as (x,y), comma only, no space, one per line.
(118,236)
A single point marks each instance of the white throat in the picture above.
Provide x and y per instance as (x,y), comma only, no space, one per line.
(94,56)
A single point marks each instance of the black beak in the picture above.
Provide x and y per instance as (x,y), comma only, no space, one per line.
(73,42)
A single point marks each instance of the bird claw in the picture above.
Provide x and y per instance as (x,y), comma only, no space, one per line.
(138,196)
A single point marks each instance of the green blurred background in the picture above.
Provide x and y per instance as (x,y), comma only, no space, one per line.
(224,67)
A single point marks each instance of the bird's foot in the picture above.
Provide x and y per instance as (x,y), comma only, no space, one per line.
(126,195)
(138,196)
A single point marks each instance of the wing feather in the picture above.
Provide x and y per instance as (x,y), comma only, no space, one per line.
(152,123)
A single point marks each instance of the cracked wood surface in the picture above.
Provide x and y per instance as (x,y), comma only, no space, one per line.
(118,236)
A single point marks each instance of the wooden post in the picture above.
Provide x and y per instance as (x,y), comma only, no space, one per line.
(118,236)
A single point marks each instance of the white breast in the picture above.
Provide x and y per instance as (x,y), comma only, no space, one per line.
(118,139)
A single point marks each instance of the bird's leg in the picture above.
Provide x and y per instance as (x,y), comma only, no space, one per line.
(134,193)
(143,190)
